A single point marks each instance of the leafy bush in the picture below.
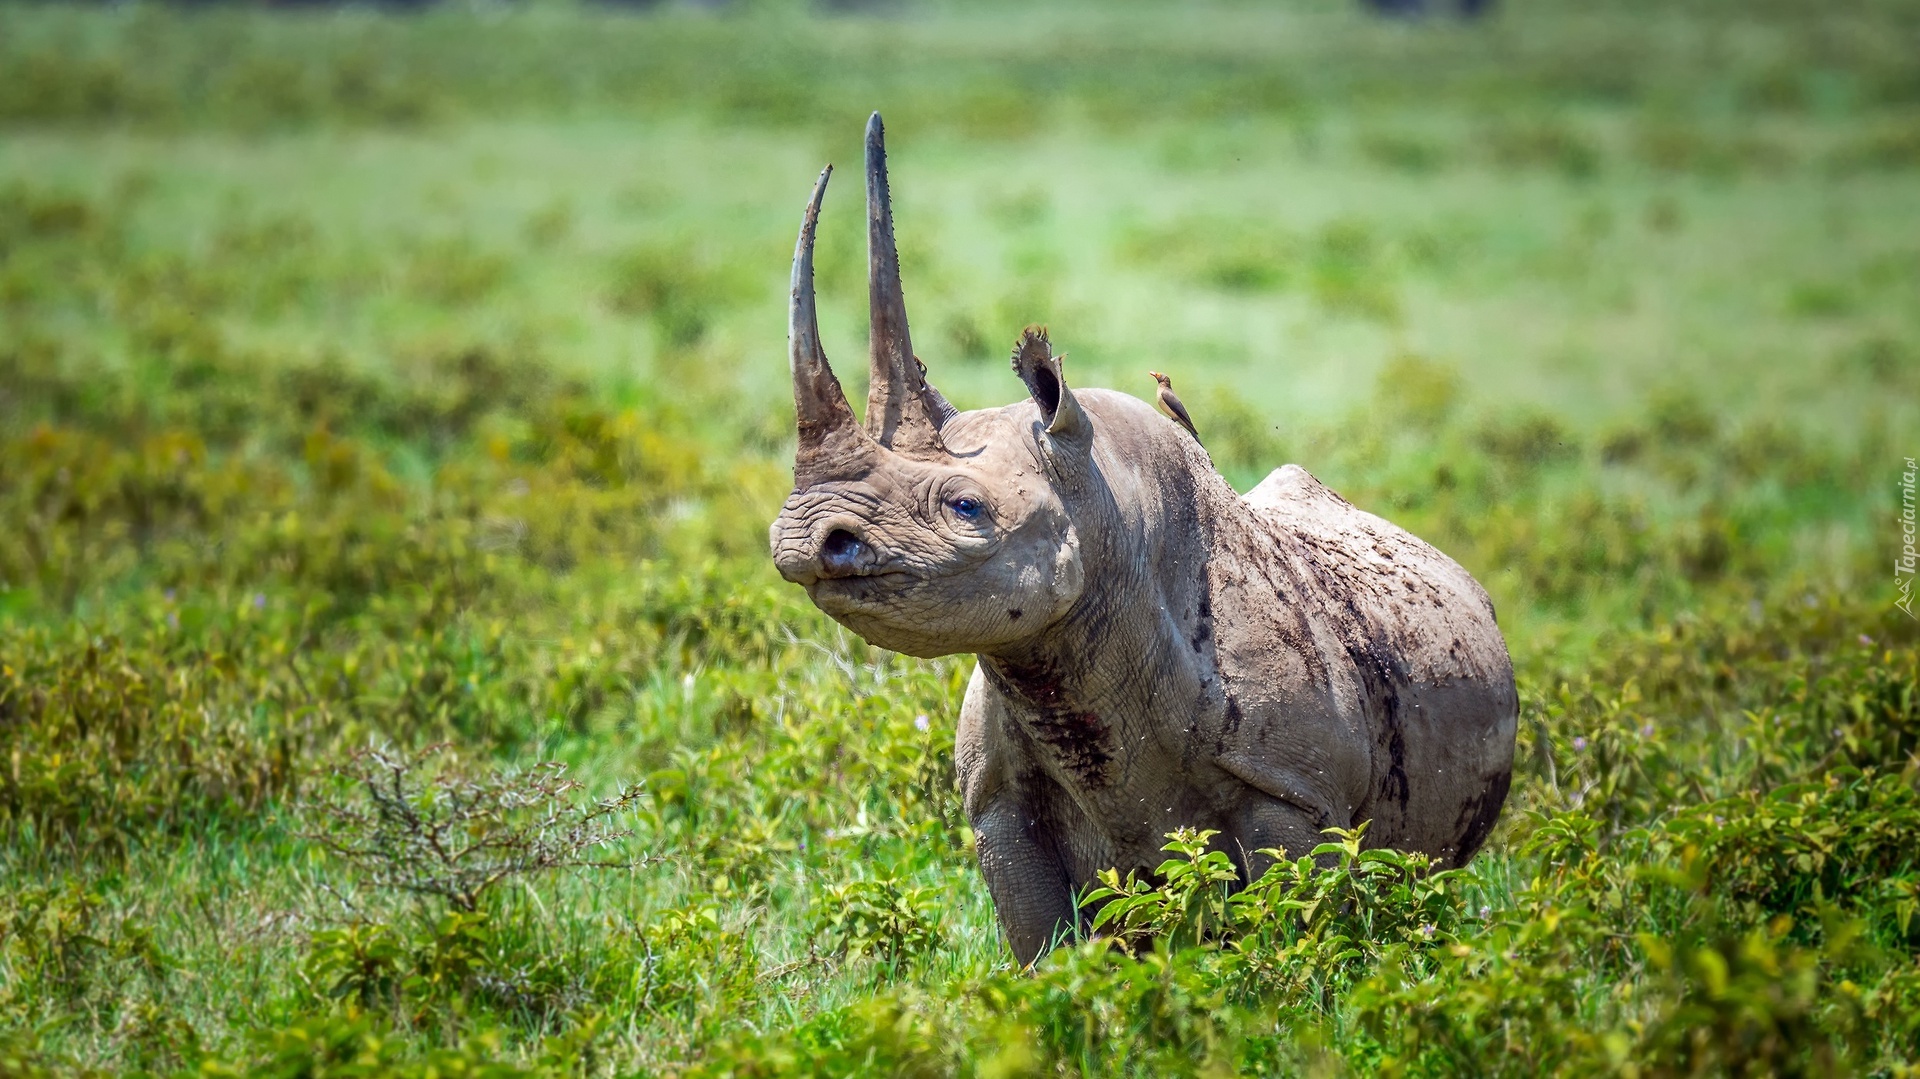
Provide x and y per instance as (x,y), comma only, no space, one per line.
(879,918)
(62,942)
(1189,904)
(108,738)
(355,1045)
(1304,929)
(467,963)
(1847,841)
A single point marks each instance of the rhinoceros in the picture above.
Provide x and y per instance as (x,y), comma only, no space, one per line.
(1153,649)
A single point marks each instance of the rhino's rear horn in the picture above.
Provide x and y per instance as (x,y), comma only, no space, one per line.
(903,411)
(827,432)
(1046,379)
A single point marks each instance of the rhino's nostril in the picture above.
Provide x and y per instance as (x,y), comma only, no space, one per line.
(842,553)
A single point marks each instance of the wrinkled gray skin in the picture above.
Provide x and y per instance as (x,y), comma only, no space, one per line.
(1154,650)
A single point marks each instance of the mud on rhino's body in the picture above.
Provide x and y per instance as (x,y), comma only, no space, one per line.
(1154,650)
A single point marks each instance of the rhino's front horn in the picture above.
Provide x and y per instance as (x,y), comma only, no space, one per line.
(903,412)
(828,435)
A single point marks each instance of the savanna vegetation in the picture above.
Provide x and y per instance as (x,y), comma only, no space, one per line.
(392,405)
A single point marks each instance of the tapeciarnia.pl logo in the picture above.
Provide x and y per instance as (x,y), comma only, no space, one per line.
(1903,567)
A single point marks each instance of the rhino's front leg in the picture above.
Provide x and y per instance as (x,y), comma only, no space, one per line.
(1032,893)
(1014,835)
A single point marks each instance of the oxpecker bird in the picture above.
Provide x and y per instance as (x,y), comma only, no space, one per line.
(1170,404)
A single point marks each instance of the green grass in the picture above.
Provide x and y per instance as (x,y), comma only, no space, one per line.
(368,377)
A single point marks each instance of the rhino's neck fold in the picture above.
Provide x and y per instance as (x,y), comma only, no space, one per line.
(1098,685)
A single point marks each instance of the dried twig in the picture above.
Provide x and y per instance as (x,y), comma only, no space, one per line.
(446,834)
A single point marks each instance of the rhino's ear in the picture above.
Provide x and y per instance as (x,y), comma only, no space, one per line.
(1040,369)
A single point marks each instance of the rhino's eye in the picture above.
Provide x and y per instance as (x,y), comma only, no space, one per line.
(968,508)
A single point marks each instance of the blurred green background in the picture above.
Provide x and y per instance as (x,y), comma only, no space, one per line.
(390,376)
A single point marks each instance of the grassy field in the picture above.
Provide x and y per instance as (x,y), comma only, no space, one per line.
(372,382)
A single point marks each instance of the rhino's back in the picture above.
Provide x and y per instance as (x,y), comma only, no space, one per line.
(1385,575)
(1411,647)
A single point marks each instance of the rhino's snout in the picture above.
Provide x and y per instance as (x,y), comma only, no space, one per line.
(830,553)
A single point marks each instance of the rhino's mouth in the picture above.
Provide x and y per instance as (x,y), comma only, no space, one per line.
(869,595)
(866,586)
